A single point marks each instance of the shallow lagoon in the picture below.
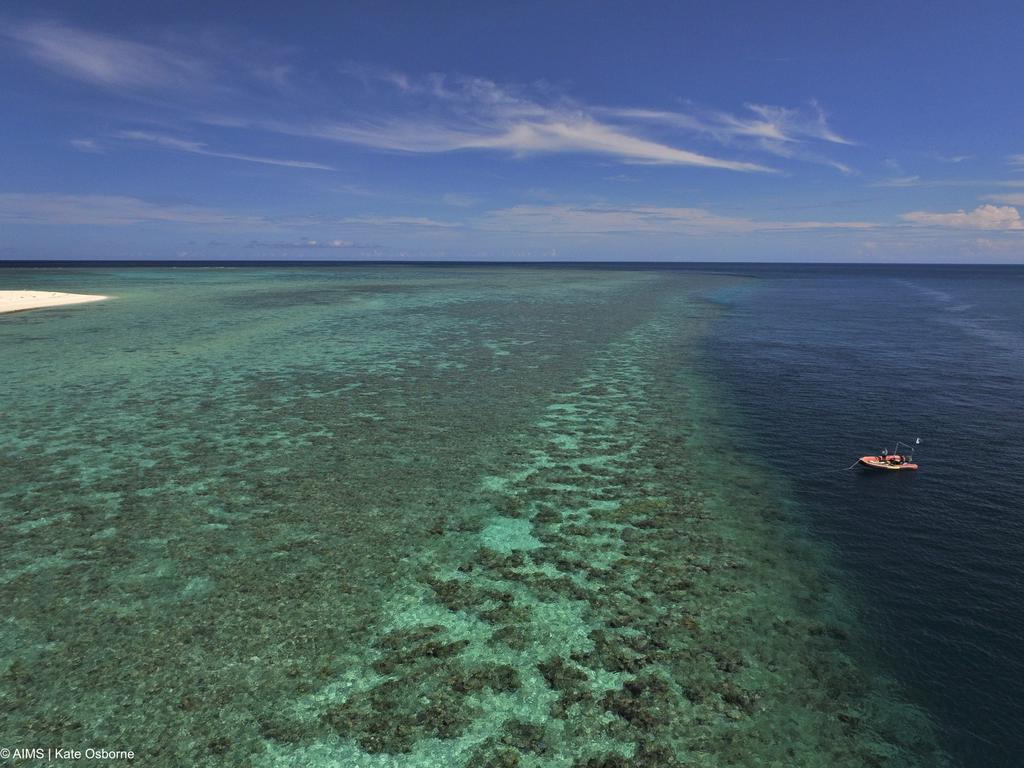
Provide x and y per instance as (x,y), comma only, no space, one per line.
(409,517)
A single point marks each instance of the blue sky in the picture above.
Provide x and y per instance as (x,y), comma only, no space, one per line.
(593,130)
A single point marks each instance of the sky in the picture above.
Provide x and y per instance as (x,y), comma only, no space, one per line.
(726,131)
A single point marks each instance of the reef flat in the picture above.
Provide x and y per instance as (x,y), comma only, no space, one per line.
(413,517)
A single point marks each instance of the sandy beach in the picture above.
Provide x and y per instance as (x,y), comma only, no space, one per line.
(18,301)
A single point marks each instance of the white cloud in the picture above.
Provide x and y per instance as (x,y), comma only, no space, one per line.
(553,133)
(198,148)
(86,145)
(368,74)
(788,124)
(436,114)
(1017,160)
(587,135)
(991,217)
(781,131)
(430,114)
(841,167)
(609,220)
(767,122)
(104,60)
(310,244)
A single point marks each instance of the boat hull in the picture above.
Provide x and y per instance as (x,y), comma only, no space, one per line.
(885,464)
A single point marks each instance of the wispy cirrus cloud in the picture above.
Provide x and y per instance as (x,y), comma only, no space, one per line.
(476,113)
(199,148)
(437,114)
(551,132)
(781,131)
(762,121)
(431,114)
(986,217)
(90,146)
(104,60)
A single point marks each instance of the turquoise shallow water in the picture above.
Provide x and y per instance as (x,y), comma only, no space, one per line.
(409,517)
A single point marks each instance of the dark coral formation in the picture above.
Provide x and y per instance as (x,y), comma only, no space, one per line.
(428,693)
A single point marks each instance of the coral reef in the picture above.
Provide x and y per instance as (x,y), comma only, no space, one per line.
(462,518)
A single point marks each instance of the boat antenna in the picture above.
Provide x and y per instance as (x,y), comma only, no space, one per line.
(911,447)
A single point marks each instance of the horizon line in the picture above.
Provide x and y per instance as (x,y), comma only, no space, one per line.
(29,263)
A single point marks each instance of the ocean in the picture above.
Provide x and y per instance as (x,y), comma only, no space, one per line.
(588,516)
(836,362)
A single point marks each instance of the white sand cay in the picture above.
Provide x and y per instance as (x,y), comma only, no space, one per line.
(16,301)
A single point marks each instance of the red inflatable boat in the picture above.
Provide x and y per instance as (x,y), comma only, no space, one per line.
(894,461)
(890,461)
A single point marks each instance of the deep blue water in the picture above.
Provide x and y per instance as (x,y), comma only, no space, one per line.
(831,364)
